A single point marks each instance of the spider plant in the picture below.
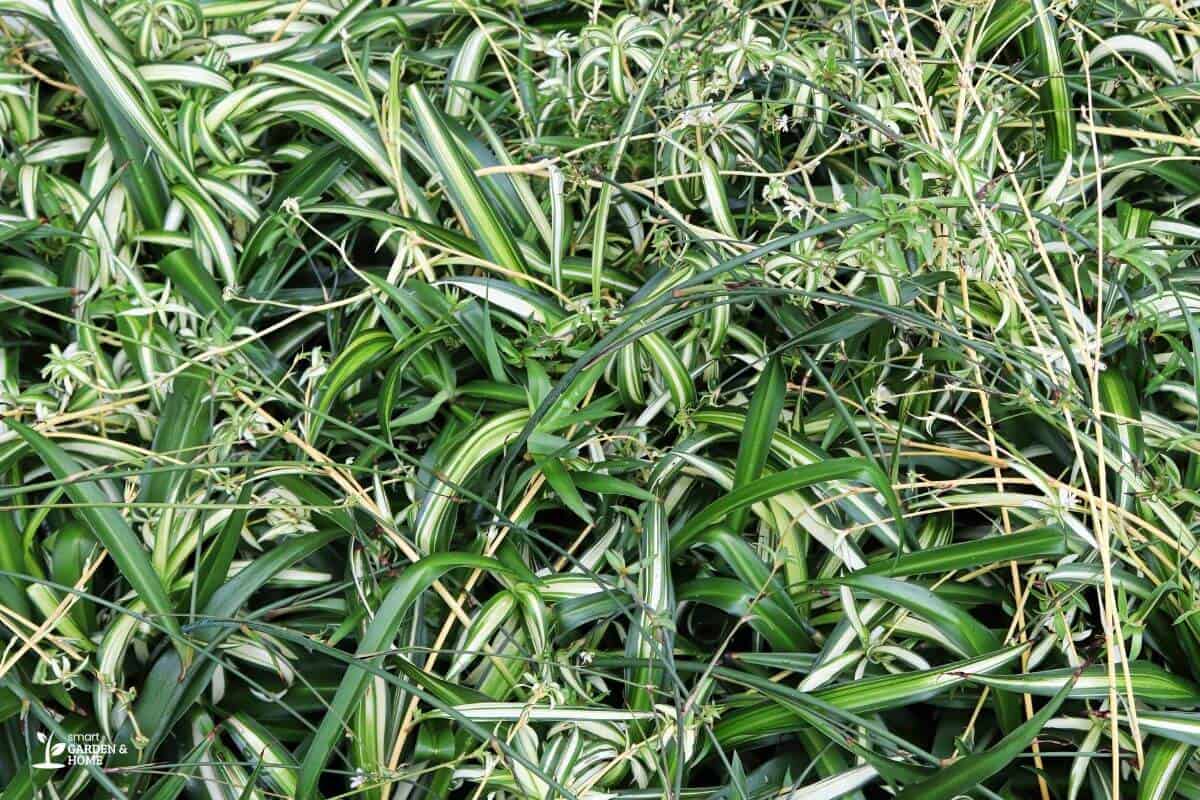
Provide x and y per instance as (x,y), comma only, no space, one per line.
(549,400)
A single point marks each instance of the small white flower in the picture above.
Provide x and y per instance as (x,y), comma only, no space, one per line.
(286,515)
(558,46)
(775,189)
(68,366)
(358,779)
(1066,498)
(782,122)
(794,209)
(883,396)
(253,428)
(317,367)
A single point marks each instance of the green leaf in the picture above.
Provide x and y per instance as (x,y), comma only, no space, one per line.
(186,425)
(786,481)
(110,529)
(755,443)
(1151,684)
(1041,42)
(365,353)
(865,696)
(378,636)
(971,771)
(1166,762)
(1024,546)
(464,188)
(561,482)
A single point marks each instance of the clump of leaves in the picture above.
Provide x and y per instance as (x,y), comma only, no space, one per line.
(581,400)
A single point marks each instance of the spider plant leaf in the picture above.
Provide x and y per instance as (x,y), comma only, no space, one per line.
(1041,40)
(788,480)
(761,420)
(463,186)
(388,618)
(1166,761)
(972,770)
(1024,546)
(93,506)
(1151,682)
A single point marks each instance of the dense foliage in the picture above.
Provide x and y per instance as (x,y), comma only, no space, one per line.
(591,400)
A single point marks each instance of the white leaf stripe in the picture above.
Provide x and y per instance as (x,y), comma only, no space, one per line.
(212,232)
(318,81)
(465,191)
(78,30)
